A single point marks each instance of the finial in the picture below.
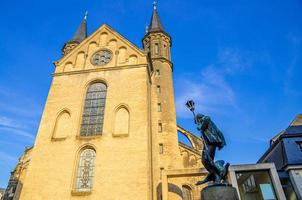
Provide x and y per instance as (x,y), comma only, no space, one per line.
(86,14)
(147,29)
(154,4)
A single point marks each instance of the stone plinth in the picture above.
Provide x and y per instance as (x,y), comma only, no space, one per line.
(219,192)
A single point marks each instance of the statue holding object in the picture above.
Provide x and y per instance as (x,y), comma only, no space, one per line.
(212,139)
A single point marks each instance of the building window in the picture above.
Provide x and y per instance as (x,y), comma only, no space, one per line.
(255,185)
(186,193)
(161,148)
(85,170)
(165,50)
(157,72)
(299,143)
(93,115)
(160,127)
(159,107)
(148,48)
(156,49)
(158,89)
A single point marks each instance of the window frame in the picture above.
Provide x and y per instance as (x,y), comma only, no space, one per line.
(76,190)
(102,116)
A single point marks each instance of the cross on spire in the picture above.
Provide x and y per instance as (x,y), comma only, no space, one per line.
(155,24)
(154,5)
(86,15)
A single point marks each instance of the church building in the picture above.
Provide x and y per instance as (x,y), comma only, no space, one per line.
(108,129)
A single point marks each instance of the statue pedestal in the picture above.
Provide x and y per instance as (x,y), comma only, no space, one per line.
(219,192)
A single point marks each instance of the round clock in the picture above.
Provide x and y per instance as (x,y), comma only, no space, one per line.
(101,58)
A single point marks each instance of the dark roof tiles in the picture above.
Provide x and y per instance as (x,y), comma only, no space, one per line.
(155,24)
(81,33)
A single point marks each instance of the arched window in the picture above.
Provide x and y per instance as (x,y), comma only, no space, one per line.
(62,125)
(85,170)
(121,127)
(93,115)
(186,193)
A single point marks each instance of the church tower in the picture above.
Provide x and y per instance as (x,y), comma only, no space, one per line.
(157,43)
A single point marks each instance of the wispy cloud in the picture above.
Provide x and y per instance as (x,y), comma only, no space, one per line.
(291,68)
(18,103)
(19,113)
(210,88)
(7,157)
(11,126)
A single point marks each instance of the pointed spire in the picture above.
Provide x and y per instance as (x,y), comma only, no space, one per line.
(78,37)
(81,33)
(155,24)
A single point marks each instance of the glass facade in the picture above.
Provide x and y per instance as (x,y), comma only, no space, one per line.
(255,185)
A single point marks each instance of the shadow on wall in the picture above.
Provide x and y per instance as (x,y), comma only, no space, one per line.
(171,188)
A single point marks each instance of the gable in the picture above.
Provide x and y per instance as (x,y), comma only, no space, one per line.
(123,52)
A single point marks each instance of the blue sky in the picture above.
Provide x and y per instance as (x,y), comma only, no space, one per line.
(239,60)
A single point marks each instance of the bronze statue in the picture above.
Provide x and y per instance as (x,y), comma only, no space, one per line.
(212,139)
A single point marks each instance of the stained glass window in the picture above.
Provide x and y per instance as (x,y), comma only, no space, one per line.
(93,115)
(85,170)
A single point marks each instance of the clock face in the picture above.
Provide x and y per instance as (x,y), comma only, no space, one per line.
(101,58)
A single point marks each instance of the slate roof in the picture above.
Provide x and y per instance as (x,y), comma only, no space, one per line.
(81,33)
(155,23)
(284,149)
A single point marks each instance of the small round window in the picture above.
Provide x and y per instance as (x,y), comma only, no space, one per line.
(101,58)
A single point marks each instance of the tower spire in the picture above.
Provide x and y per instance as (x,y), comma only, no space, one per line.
(155,24)
(78,37)
(81,33)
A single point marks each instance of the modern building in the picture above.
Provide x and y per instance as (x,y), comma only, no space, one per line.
(256,181)
(285,152)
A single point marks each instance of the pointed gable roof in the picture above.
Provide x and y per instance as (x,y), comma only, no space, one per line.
(94,37)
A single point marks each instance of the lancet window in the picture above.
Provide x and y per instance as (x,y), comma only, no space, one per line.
(93,115)
(85,171)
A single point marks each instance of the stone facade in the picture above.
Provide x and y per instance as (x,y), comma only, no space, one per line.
(136,155)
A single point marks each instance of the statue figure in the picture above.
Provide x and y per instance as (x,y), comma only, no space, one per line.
(212,139)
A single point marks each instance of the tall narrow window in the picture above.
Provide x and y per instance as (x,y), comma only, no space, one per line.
(160,127)
(156,49)
(93,115)
(161,148)
(158,107)
(85,170)
(158,90)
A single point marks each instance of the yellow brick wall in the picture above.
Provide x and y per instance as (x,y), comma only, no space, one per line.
(128,162)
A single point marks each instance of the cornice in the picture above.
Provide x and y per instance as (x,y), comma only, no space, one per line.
(85,71)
